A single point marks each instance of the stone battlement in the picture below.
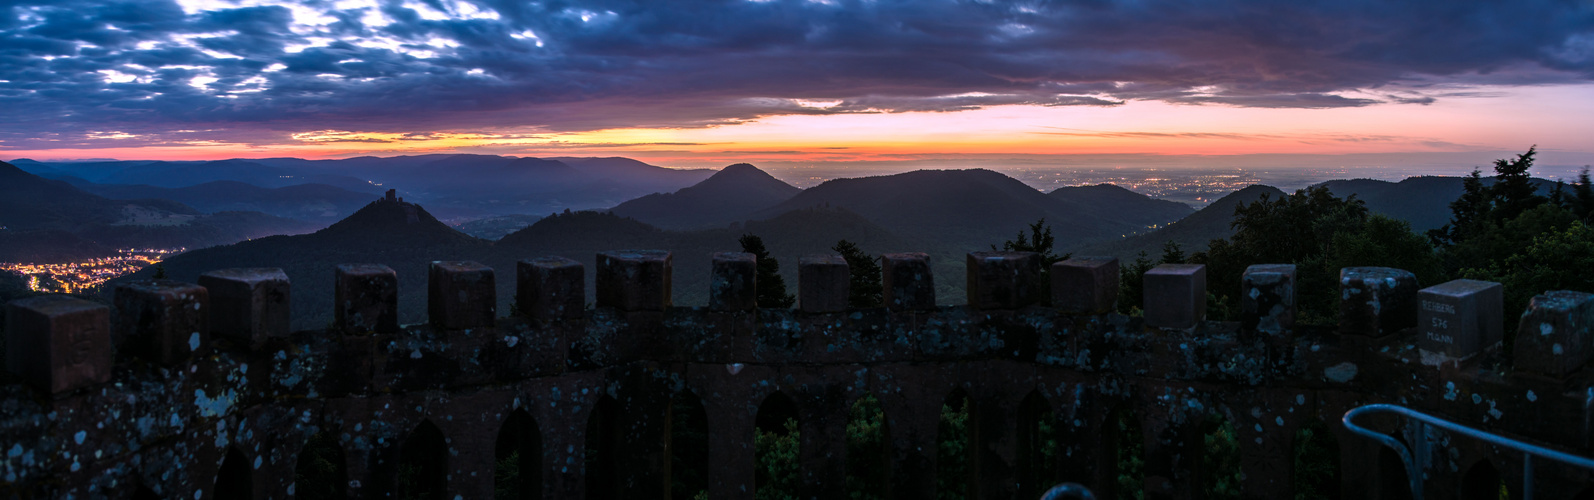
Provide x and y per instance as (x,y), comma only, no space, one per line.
(202,391)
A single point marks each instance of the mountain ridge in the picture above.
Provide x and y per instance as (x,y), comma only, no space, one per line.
(1192,233)
(732,194)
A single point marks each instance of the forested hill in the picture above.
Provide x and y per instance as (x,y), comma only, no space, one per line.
(52,221)
(730,195)
(1422,201)
(1191,233)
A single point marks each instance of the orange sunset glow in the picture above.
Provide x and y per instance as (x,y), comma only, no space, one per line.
(1552,116)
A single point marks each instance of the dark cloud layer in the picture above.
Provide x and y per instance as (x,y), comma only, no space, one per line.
(74,68)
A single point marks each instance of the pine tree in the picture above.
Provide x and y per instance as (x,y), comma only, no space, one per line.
(771,287)
(863,288)
(1171,253)
(1039,240)
(1513,188)
(1466,213)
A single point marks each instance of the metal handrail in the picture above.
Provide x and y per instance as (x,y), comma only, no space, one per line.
(1068,490)
(1414,475)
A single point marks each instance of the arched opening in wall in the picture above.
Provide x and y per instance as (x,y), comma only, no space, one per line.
(1124,462)
(1218,467)
(320,473)
(1317,473)
(1483,482)
(868,450)
(688,447)
(517,466)
(604,442)
(1039,450)
(233,480)
(954,476)
(777,449)
(1392,483)
(423,464)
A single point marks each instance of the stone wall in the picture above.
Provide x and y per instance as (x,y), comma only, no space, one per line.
(156,397)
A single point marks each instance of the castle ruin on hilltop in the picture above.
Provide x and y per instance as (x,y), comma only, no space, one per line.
(200,390)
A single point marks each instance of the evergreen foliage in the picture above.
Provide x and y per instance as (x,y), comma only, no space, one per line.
(771,287)
(1131,276)
(863,288)
(1481,228)
(1131,288)
(778,473)
(506,477)
(952,449)
(868,450)
(1038,240)
(1316,457)
(1040,450)
(1130,464)
(1507,233)
(1220,461)
(1542,265)
(1171,253)
(319,473)
(1320,234)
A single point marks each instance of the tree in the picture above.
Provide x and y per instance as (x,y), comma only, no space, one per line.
(1467,213)
(1171,253)
(771,287)
(1319,233)
(863,287)
(1130,287)
(1040,241)
(1386,242)
(1542,266)
(1477,235)
(1513,187)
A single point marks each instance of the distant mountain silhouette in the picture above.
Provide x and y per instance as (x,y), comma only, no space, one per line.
(1422,201)
(29,202)
(48,220)
(385,222)
(1108,201)
(1192,233)
(466,184)
(176,174)
(303,201)
(408,238)
(49,245)
(581,235)
(966,209)
(401,235)
(452,185)
(732,194)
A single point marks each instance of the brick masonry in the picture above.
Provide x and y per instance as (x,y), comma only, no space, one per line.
(107,426)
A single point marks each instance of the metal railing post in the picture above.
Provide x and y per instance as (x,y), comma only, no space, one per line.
(1069,490)
(1413,465)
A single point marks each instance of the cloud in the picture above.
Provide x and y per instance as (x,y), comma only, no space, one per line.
(261,70)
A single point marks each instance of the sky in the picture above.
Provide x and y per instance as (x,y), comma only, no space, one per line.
(706,83)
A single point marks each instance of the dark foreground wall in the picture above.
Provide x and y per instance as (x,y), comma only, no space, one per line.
(185,391)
